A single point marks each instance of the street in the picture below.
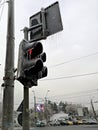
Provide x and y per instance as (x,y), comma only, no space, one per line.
(76,127)
(73,127)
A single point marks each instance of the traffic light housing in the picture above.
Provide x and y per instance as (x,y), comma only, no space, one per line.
(43,73)
(30,63)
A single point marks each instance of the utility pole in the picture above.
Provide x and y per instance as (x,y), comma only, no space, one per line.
(26,96)
(8,96)
(94,110)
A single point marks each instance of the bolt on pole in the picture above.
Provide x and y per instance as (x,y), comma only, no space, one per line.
(8,95)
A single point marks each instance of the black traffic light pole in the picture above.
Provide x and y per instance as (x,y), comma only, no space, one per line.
(26,96)
(8,96)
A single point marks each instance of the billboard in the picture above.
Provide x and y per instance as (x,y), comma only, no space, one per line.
(40,107)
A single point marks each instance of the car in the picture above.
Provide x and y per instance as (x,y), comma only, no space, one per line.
(40,124)
(54,123)
(85,121)
(77,121)
(68,122)
(62,122)
(92,121)
(80,122)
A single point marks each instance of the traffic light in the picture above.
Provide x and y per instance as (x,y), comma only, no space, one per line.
(30,63)
(43,73)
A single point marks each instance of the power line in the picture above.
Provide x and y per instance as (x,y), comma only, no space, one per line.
(72,76)
(75,59)
(0,1)
(80,92)
(66,97)
(2,5)
(81,95)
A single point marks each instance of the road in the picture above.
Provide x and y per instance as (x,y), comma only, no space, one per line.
(79,127)
(73,127)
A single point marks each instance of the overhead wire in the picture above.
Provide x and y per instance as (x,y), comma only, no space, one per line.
(0,1)
(2,5)
(75,59)
(81,95)
(71,76)
(75,94)
(80,92)
(69,96)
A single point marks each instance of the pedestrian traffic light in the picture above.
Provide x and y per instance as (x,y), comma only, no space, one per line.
(30,63)
(43,73)
(33,63)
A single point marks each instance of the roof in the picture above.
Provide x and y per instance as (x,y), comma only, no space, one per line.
(59,116)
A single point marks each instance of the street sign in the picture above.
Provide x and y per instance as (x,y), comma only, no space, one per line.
(20,108)
(45,23)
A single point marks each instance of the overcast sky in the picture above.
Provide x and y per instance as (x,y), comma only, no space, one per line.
(72,52)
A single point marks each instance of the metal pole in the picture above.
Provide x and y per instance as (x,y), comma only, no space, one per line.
(8,95)
(26,109)
(94,110)
(34,108)
(46,106)
(26,96)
